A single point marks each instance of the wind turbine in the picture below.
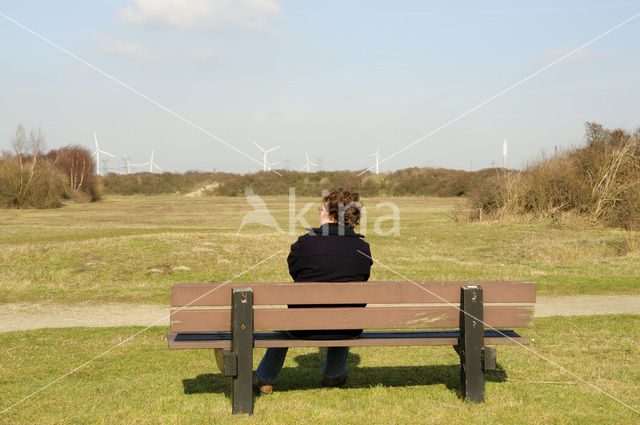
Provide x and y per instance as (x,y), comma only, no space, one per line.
(308,164)
(504,154)
(127,164)
(265,163)
(131,164)
(98,152)
(150,163)
(270,164)
(377,155)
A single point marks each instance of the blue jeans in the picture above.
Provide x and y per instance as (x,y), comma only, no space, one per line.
(271,364)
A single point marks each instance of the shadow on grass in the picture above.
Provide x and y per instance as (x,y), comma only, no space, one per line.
(208,383)
(308,375)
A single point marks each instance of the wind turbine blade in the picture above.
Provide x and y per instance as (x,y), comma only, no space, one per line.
(272,149)
(95,139)
(107,153)
(156,165)
(313,163)
(259,147)
(306,154)
(303,167)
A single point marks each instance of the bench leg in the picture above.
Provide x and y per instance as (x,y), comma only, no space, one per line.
(242,340)
(471,343)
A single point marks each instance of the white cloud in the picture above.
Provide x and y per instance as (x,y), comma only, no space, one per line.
(128,50)
(579,56)
(201,14)
(204,55)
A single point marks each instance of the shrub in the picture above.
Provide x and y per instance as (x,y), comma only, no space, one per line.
(599,181)
(79,168)
(27,178)
(412,181)
(32,182)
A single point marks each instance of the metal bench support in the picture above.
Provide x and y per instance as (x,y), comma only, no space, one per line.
(471,343)
(241,355)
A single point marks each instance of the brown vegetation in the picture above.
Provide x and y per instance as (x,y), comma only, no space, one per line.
(599,181)
(407,182)
(79,167)
(29,178)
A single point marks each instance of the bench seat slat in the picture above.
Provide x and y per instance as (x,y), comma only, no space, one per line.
(209,320)
(353,292)
(390,338)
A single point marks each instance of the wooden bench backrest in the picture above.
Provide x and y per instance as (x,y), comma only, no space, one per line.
(400,305)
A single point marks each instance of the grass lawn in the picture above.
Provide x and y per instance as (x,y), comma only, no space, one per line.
(144,382)
(127,248)
(130,249)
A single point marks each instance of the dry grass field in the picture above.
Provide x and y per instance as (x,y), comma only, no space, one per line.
(133,248)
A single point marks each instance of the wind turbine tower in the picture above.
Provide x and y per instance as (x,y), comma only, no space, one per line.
(153,164)
(265,163)
(150,163)
(127,164)
(308,163)
(377,155)
(98,152)
(504,154)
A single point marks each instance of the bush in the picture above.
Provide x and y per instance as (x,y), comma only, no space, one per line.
(599,181)
(30,183)
(78,166)
(412,181)
(31,179)
(27,178)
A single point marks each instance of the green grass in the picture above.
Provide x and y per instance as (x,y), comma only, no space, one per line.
(144,382)
(124,248)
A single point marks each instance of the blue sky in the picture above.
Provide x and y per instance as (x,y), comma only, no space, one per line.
(336,78)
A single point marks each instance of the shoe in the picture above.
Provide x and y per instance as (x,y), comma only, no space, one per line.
(261,387)
(334,382)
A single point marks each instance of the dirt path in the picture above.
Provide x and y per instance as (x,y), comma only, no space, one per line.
(16,317)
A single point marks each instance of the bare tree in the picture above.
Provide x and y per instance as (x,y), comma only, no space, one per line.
(77,164)
(27,151)
(27,178)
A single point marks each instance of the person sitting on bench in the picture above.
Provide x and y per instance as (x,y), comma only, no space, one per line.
(329,253)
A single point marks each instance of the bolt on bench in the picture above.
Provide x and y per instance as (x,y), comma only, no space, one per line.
(241,316)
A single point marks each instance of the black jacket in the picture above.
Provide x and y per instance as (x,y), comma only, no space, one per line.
(330,253)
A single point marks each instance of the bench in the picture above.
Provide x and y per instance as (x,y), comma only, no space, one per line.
(239,317)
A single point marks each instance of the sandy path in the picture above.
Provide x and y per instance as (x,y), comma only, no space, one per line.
(16,317)
(587,305)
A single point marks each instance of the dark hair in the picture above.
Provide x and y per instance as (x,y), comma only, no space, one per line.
(343,206)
